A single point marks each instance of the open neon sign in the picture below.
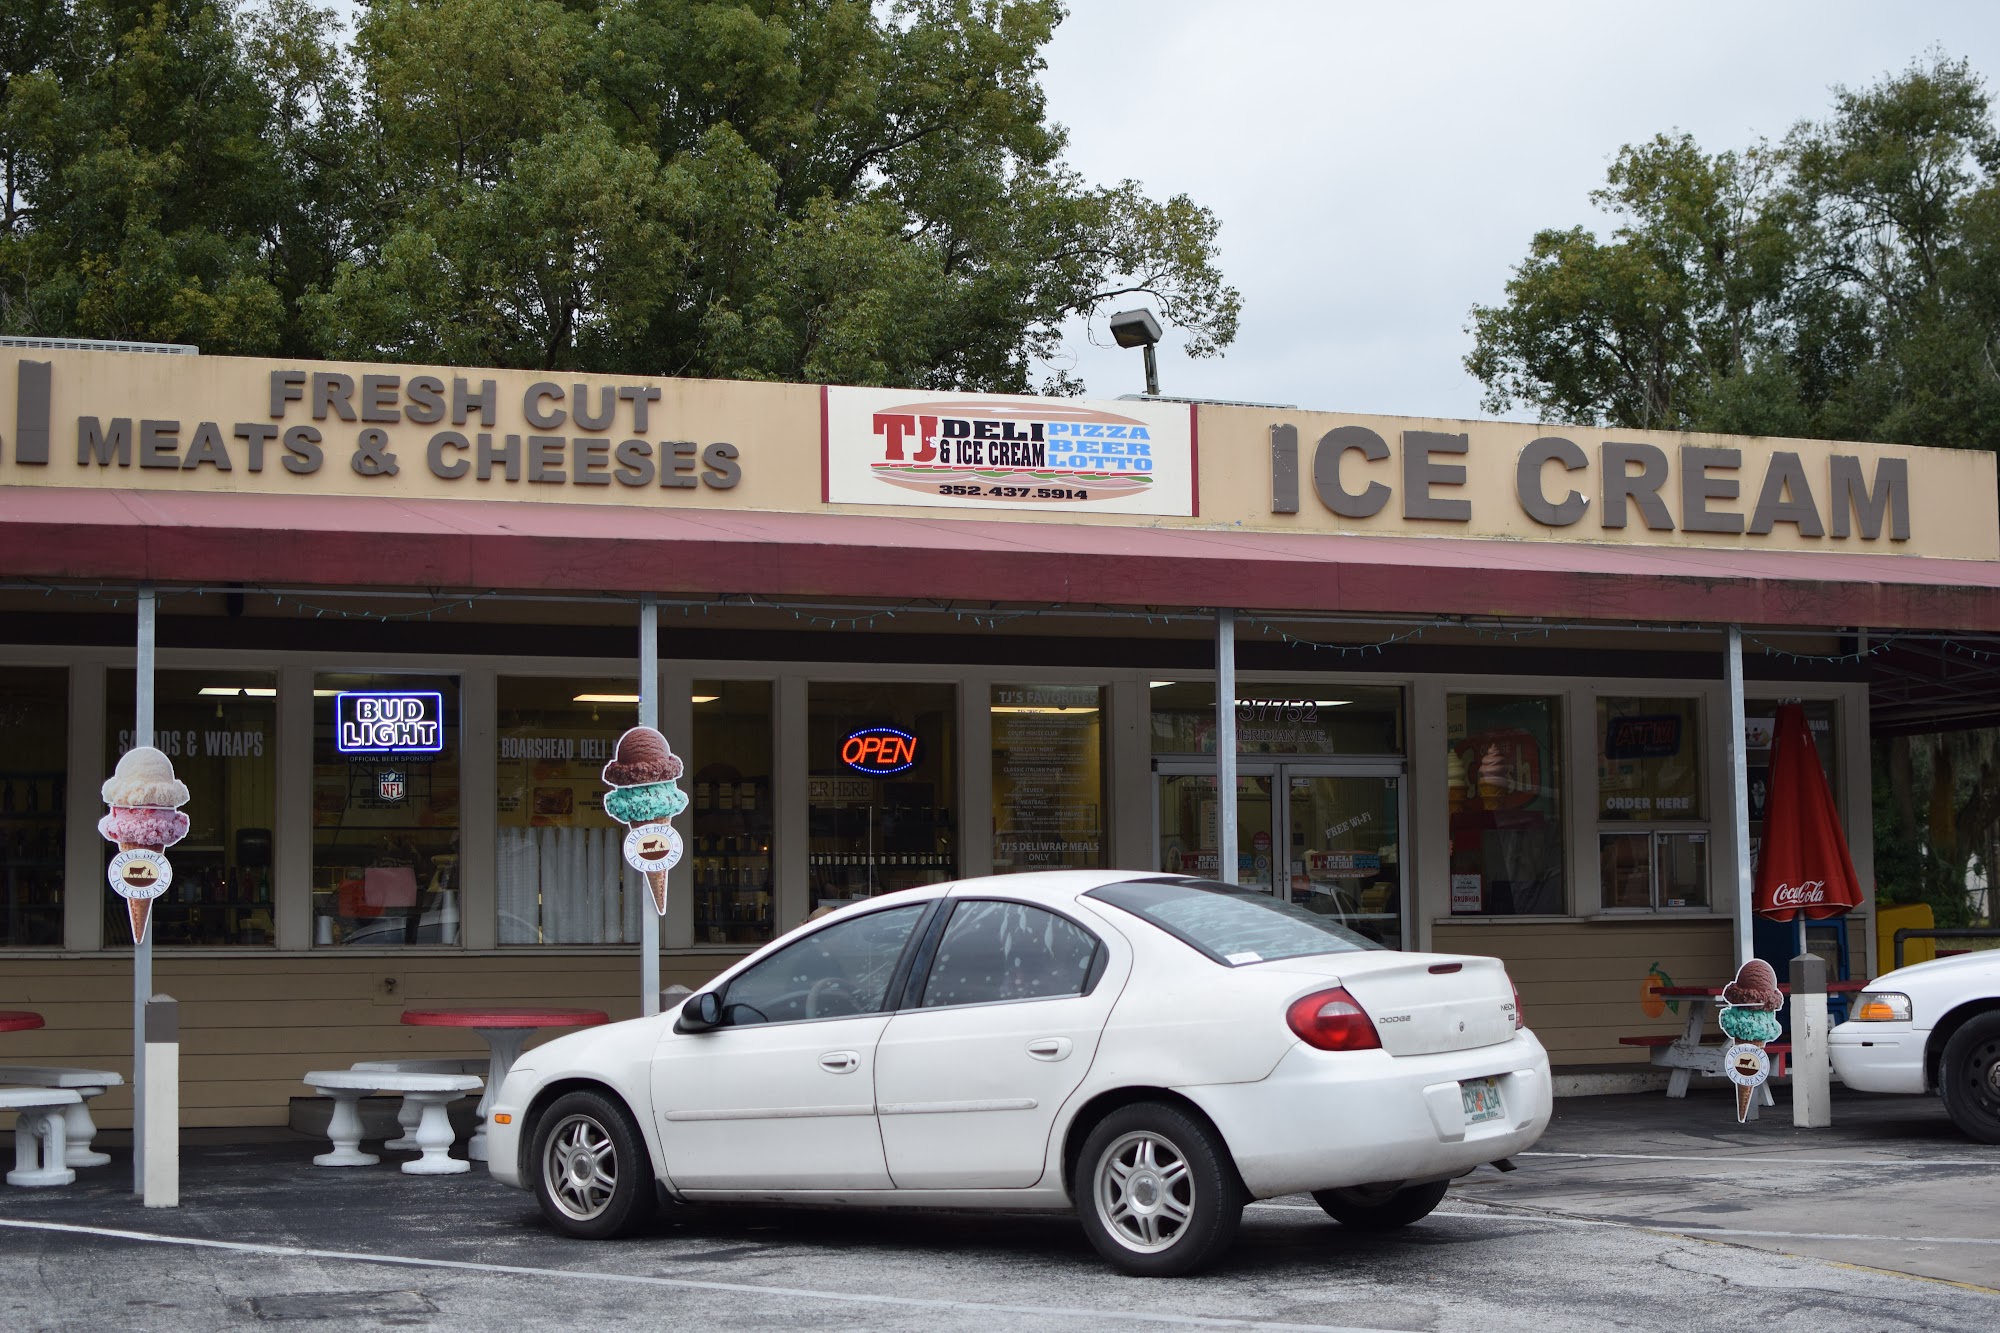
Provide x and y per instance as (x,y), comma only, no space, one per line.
(879,751)
(388,722)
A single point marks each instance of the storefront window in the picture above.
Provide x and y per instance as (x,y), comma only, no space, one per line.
(385,810)
(1327,718)
(1504,785)
(730,758)
(1649,788)
(1048,777)
(882,794)
(560,875)
(34,789)
(220,729)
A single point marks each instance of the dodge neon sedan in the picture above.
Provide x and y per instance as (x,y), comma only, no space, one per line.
(1152,1051)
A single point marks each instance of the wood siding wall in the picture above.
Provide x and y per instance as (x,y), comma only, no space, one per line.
(1580,980)
(251,1026)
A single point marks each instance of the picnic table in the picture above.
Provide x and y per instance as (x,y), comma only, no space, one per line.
(1686,1055)
(505,1029)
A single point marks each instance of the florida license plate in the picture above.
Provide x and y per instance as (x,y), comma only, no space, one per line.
(1482,1099)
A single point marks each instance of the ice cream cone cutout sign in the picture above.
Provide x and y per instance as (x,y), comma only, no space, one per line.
(1749,1018)
(145,799)
(642,775)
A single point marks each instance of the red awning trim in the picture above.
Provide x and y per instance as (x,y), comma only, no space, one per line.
(361,541)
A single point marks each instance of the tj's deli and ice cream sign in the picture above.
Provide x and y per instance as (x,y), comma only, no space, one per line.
(965,451)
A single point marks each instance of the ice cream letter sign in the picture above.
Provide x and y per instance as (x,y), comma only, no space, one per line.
(145,799)
(1749,1018)
(642,775)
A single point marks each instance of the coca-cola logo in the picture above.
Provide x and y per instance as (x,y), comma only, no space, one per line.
(1812,892)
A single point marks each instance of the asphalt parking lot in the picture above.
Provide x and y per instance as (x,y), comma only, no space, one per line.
(1632,1213)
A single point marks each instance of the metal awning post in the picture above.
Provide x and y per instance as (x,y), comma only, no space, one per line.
(142,950)
(1739,797)
(649,716)
(1225,745)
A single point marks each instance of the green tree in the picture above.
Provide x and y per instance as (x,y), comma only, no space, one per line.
(142,190)
(784,189)
(1845,284)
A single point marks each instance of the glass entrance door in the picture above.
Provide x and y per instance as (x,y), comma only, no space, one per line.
(1331,840)
(1189,816)
(1344,833)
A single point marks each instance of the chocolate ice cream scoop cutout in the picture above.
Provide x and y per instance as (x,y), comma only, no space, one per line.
(1755,985)
(642,756)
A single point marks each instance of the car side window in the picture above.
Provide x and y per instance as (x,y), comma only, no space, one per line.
(994,951)
(835,972)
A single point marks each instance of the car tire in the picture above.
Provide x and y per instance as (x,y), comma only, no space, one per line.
(1969,1078)
(591,1171)
(1381,1207)
(1157,1191)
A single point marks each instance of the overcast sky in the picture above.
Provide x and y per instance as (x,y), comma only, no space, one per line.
(1380,168)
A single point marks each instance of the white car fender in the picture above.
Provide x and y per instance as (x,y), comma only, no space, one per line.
(617,1056)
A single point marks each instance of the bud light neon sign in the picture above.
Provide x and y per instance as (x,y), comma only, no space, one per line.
(388,722)
(879,751)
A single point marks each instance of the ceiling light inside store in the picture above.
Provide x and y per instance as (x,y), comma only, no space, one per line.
(706,698)
(1161,684)
(236,691)
(1037,708)
(605,699)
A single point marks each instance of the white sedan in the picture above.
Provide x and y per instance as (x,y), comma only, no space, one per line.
(1151,1050)
(1930,1027)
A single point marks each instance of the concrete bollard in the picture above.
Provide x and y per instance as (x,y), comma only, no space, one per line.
(1812,1070)
(162,1095)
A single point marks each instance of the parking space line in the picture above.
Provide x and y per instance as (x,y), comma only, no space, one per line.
(685,1284)
(1517,1212)
(1720,1158)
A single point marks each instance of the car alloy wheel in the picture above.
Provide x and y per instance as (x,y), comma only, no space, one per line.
(1381,1207)
(1156,1190)
(591,1169)
(1145,1193)
(580,1167)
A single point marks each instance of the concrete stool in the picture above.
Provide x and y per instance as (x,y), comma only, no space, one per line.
(410,1112)
(79,1127)
(39,1133)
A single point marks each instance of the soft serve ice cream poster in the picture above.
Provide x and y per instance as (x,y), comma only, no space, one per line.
(644,775)
(145,799)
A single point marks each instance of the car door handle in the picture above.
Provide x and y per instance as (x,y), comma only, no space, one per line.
(840,1062)
(1049,1048)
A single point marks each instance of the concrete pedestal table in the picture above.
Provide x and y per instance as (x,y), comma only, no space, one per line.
(505,1030)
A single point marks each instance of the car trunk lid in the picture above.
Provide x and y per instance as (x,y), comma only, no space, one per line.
(1422,1004)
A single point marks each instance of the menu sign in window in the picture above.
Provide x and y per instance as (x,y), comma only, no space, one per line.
(1048,777)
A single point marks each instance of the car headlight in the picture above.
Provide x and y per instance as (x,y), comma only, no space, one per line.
(1881,1007)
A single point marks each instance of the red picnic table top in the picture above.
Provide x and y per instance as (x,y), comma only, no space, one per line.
(18,1020)
(506,1016)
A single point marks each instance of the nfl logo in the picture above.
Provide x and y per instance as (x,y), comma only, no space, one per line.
(389,784)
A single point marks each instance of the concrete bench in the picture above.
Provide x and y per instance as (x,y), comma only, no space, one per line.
(433,1134)
(85,1083)
(39,1135)
(409,1113)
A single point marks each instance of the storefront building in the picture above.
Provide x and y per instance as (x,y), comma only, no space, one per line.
(1481,703)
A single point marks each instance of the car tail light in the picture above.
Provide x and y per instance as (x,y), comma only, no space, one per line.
(1519,1023)
(1332,1021)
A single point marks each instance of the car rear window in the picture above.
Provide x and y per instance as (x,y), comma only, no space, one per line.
(1233,926)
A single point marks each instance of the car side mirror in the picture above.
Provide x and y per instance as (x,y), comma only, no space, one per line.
(701,1013)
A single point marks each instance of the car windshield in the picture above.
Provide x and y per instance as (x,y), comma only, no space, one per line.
(1233,926)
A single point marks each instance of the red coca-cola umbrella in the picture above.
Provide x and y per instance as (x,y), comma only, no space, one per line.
(1803,865)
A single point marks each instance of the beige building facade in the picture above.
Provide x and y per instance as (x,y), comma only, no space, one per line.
(1482,698)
